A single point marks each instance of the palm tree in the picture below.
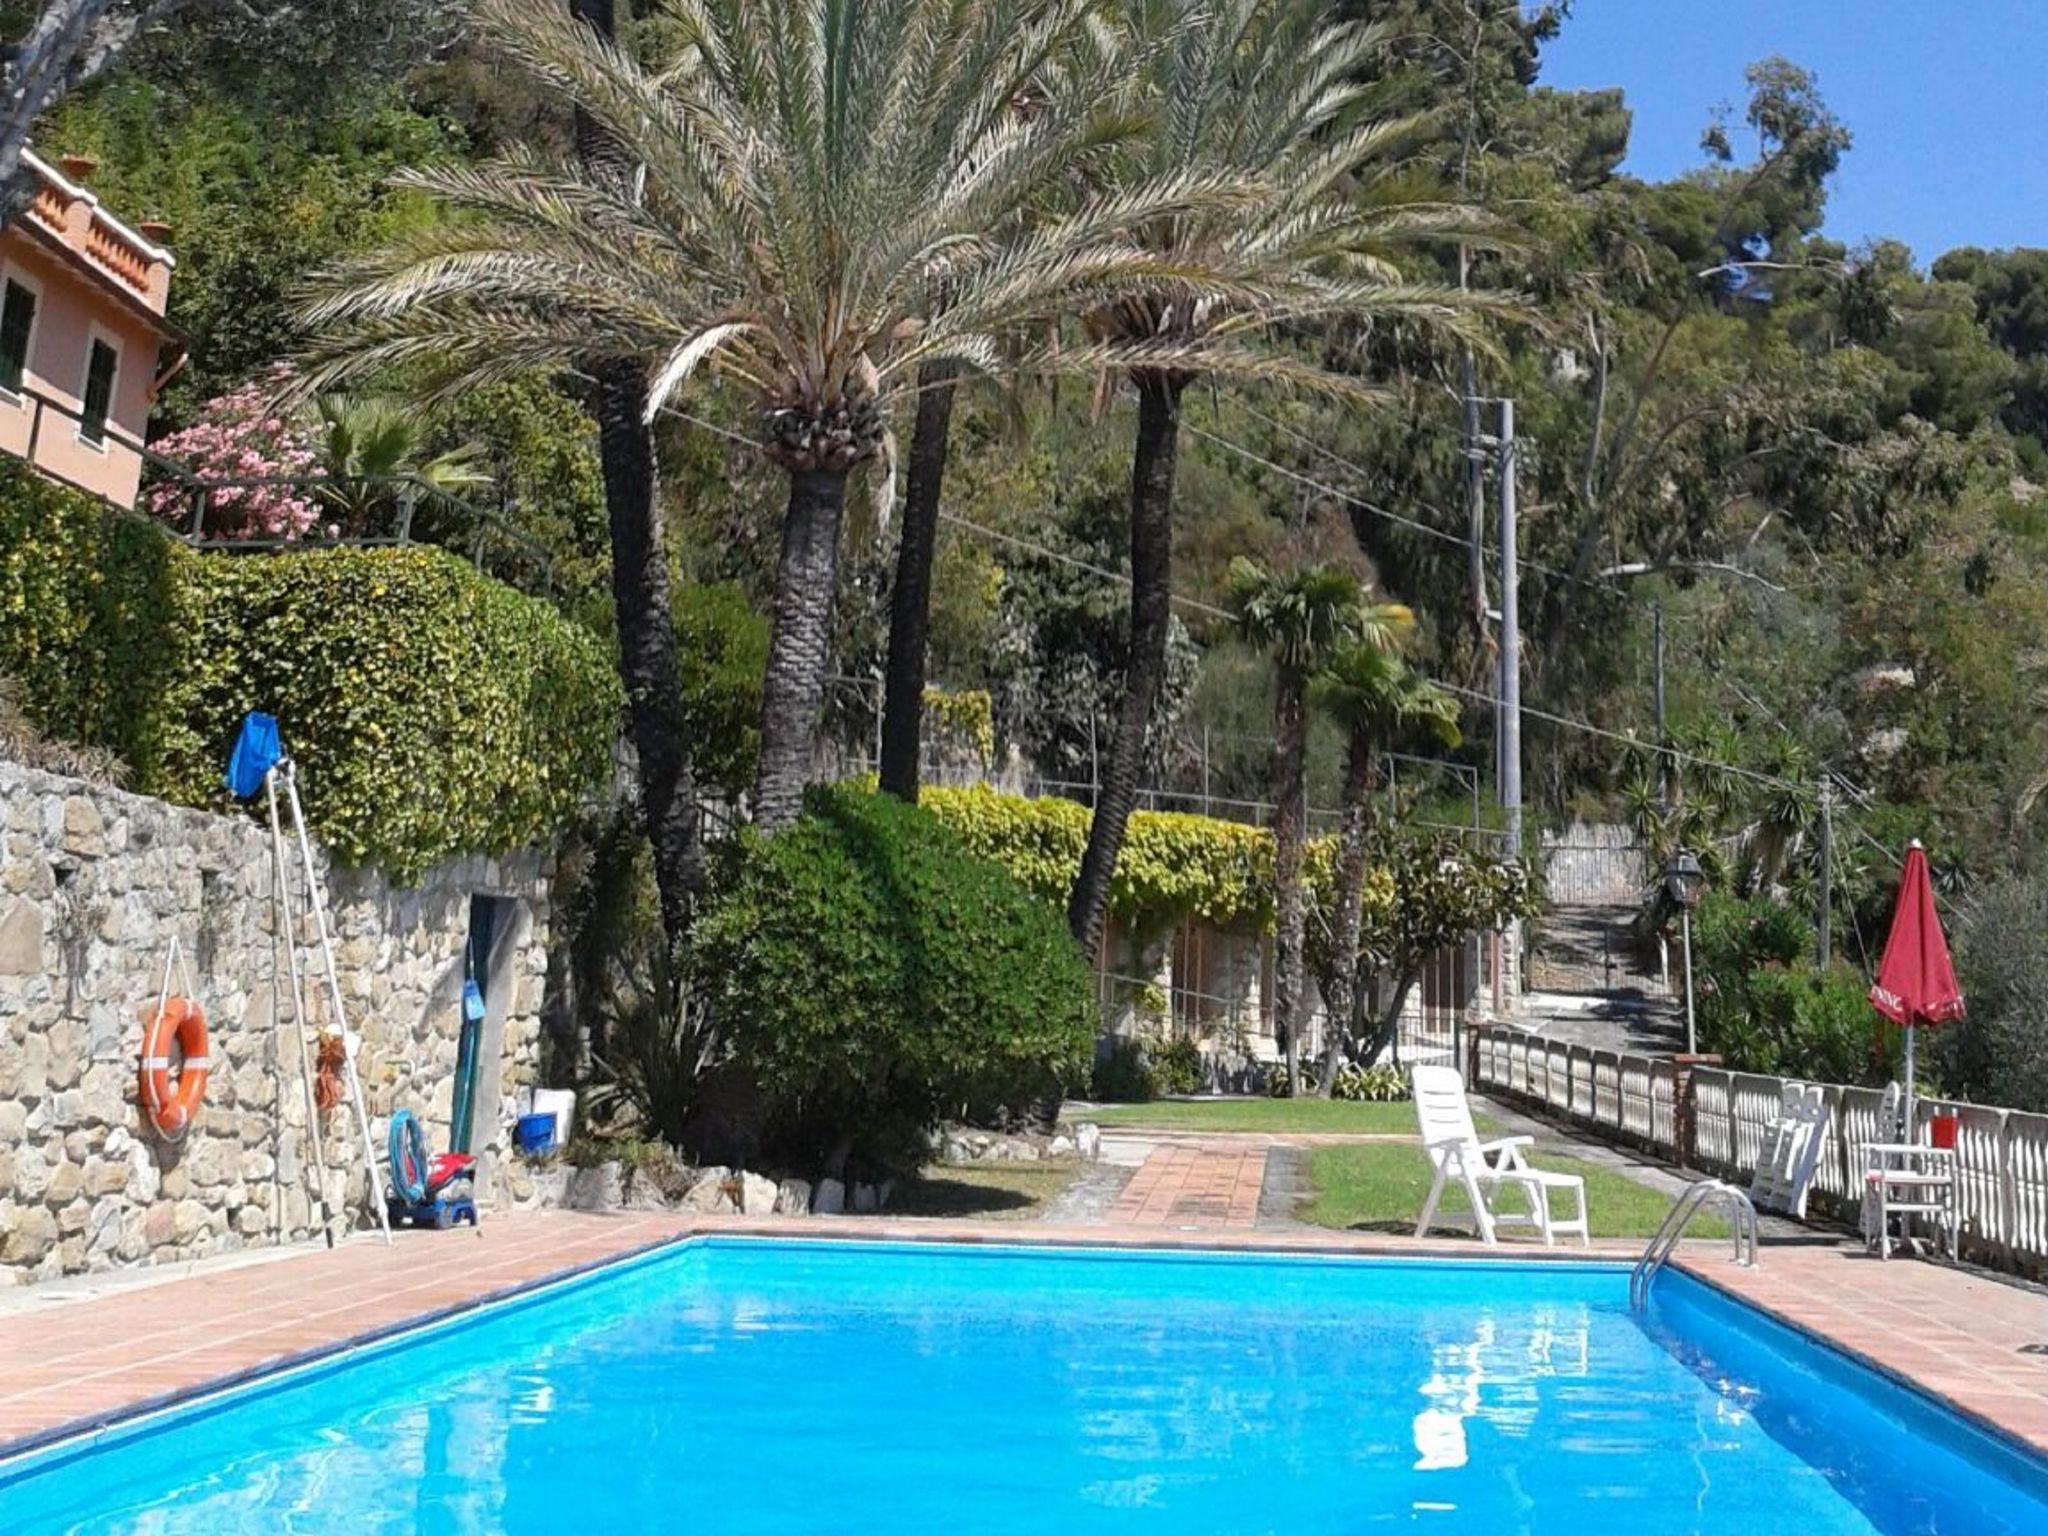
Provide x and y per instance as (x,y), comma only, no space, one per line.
(1301,617)
(1380,703)
(1277,94)
(367,442)
(781,207)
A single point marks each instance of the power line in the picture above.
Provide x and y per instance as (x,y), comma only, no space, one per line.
(1123,579)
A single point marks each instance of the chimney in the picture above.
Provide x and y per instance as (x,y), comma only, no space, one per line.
(155,231)
(78,168)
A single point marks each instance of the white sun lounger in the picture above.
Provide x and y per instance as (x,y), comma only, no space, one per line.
(1484,1168)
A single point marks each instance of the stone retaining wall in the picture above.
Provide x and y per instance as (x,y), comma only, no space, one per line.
(93,885)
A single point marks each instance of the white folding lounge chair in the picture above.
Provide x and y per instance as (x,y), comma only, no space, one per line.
(1454,1147)
(1790,1154)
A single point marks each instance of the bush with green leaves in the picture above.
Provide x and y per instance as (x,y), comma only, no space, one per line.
(1177,1066)
(1121,1073)
(98,614)
(1764,1006)
(432,711)
(721,651)
(1997,1053)
(874,978)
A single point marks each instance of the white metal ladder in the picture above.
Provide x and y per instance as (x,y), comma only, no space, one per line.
(1693,1199)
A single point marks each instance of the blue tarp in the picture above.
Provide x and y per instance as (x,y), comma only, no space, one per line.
(256,753)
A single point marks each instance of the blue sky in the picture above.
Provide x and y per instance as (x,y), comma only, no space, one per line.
(1947,99)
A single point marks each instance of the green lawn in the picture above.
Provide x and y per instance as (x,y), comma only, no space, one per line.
(1381,1189)
(1276,1115)
(1001,1191)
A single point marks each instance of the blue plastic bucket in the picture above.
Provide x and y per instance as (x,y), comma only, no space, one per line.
(534,1133)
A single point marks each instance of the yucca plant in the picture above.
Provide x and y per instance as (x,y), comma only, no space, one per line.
(1300,617)
(1280,96)
(1382,704)
(783,203)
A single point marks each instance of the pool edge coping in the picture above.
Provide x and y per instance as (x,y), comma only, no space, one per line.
(21,1455)
(2019,1441)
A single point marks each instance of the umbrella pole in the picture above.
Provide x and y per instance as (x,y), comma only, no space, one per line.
(1910,1033)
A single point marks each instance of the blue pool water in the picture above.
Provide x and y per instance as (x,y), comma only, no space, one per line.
(784,1388)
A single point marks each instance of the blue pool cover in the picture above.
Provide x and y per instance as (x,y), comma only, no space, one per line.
(777,1388)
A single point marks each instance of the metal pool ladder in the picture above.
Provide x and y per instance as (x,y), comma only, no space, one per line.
(1690,1202)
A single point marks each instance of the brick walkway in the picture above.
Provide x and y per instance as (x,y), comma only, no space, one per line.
(1213,1184)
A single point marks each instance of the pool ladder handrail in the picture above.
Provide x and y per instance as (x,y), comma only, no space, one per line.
(1693,1199)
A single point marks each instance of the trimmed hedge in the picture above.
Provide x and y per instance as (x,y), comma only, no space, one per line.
(434,712)
(97,620)
(873,976)
(1171,864)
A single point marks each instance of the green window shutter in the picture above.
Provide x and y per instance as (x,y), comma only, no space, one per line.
(99,392)
(17,318)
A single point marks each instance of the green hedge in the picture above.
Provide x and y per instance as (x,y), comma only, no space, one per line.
(432,710)
(1171,864)
(873,976)
(97,620)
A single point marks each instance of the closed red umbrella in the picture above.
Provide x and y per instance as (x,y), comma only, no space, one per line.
(1916,980)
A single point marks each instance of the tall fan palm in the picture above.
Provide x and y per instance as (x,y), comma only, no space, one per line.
(788,198)
(1381,704)
(1277,93)
(1301,617)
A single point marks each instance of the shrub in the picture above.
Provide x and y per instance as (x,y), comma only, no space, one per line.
(434,711)
(1177,1066)
(1171,864)
(1121,1074)
(1998,1052)
(244,435)
(98,614)
(721,650)
(874,977)
(1764,1006)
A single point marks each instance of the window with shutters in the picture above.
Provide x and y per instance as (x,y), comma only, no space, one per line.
(99,392)
(17,321)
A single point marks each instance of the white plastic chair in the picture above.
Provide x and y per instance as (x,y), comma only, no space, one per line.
(1790,1155)
(1454,1148)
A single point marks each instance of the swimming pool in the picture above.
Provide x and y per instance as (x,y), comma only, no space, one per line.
(776,1387)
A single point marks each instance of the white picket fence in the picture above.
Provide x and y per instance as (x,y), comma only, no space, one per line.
(2001,1154)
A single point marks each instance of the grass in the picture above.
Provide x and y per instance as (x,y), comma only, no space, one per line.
(1001,1191)
(1275,1115)
(1381,1189)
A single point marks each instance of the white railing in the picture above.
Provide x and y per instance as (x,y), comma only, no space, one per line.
(2001,1154)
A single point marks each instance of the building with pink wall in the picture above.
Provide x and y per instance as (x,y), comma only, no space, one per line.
(83,340)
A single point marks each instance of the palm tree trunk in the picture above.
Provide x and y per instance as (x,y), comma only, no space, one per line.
(1152,468)
(640,602)
(647,646)
(911,600)
(1340,993)
(1290,914)
(794,681)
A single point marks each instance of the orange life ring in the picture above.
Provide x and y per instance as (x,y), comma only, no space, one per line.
(171,1104)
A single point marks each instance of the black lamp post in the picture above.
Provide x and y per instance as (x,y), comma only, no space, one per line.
(1684,882)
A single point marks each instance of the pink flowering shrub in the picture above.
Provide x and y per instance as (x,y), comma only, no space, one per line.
(242,435)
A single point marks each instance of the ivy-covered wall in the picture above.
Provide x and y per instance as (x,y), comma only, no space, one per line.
(433,711)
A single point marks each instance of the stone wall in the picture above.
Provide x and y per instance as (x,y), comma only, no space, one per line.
(94,883)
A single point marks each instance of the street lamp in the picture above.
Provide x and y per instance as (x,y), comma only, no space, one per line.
(1684,881)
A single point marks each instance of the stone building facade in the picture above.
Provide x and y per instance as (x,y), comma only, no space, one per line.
(93,885)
